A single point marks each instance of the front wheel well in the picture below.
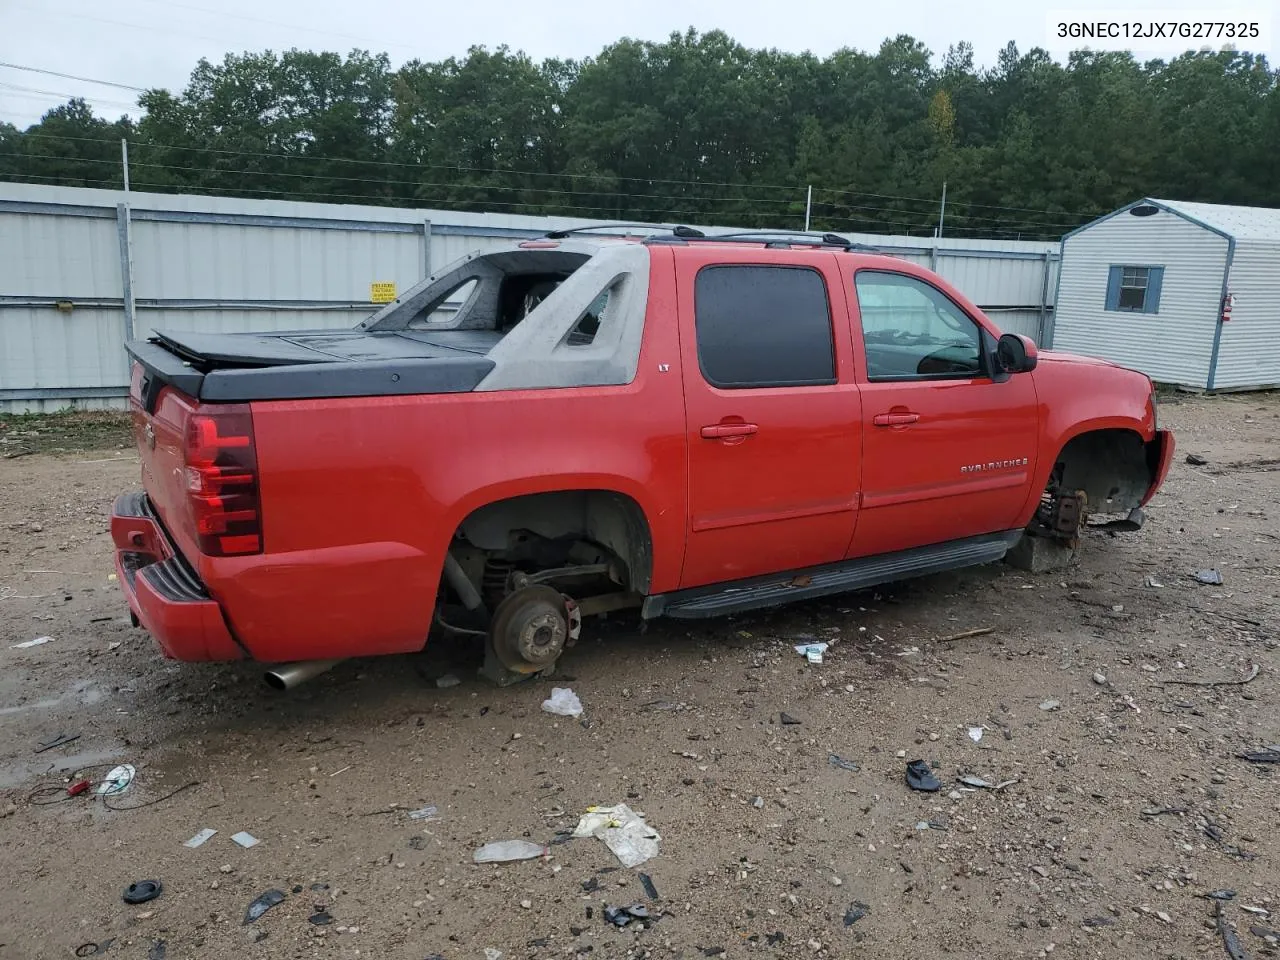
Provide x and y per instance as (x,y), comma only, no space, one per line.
(606,519)
(1111,467)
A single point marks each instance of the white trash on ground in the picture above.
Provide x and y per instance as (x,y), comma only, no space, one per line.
(812,651)
(245,840)
(563,702)
(200,838)
(623,831)
(31,643)
(504,851)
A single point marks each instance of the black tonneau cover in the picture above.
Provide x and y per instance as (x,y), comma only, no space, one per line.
(303,364)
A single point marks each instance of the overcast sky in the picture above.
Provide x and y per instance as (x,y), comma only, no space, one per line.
(155,43)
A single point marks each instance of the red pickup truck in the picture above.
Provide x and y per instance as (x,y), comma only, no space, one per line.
(690,425)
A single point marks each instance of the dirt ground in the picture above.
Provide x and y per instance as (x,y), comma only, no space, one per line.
(1128,804)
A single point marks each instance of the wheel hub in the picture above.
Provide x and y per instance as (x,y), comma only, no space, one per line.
(530,628)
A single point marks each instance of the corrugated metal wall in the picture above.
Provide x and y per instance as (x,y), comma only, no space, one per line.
(1171,346)
(1249,353)
(229,265)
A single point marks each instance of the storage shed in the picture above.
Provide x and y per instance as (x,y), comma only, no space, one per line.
(1188,293)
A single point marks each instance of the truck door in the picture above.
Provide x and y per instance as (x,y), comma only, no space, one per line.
(772,416)
(948,452)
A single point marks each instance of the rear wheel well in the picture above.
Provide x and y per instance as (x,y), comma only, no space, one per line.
(562,528)
(1112,467)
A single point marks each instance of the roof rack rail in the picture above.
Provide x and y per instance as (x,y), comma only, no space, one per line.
(818,239)
(679,231)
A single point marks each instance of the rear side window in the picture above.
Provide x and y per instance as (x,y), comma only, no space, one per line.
(761,326)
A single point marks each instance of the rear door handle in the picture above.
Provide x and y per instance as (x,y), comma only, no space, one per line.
(722,431)
(894,419)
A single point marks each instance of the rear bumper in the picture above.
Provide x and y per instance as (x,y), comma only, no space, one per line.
(1159,456)
(163,592)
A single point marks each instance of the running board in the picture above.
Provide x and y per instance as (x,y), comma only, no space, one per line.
(775,589)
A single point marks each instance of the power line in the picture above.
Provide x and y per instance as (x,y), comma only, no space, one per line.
(55,93)
(68,76)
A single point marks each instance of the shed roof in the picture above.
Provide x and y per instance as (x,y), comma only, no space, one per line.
(1243,223)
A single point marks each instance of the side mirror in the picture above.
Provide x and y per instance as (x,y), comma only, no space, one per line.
(1016,353)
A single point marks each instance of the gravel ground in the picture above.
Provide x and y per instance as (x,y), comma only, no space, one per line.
(1128,803)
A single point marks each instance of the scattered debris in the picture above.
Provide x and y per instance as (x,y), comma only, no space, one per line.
(965,635)
(623,831)
(91,949)
(142,891)
(1195,460)
(1098,921)
(650,890)
(1162,811)
(245,839)
(1270,755)
(1100,678)
(1253,672)
(1048,705)
(857,910)
(262,904)
(158,950)
(507,851)
(447,681)
(118,780)
(842,763)
(340,770)
(931,825)
(621,916)
(200,838)
(1220,895)
(920,777)
(758,803)
(787,720)
(320,918)
(1230,939)
(424,813)
(975,734)
(1258,911)
(1209,577)
(31,643)
(812,651)
(58,741)
(563,702)
(969,780)
(491,953)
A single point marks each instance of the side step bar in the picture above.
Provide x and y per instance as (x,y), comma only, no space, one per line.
(775,589)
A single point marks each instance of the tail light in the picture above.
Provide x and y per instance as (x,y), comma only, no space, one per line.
(222,481)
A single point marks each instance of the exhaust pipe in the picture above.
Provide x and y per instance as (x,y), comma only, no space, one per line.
(286,676)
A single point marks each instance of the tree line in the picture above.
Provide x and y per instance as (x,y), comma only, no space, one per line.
(697,129)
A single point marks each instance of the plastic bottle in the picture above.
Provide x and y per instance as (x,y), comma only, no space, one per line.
(504,851)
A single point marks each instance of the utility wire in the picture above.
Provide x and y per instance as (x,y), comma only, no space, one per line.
(68,76)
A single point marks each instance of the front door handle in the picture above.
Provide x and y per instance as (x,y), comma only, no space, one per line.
(894,419)
(725,431)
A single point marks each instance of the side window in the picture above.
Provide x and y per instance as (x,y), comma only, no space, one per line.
(588,325)
(913,331)
(762,326)
(1134,289)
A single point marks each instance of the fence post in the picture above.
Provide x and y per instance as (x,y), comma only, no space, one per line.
(1044,301)
(426,249)
(124,233)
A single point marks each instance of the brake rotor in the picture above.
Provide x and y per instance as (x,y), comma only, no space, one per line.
(530,629)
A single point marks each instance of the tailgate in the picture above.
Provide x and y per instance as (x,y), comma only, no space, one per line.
(160,413)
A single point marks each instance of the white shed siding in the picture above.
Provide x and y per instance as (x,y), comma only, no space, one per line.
(1249,353)
(1172,346)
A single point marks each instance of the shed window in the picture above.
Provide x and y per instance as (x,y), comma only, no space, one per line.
(1134,289)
